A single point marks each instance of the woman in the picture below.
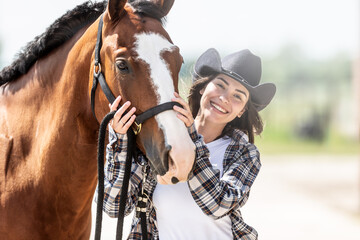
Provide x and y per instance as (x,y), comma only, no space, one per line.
(222,119)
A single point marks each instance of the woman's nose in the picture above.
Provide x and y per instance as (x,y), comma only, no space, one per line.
(224,99)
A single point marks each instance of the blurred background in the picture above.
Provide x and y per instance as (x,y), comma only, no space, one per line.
(309,185)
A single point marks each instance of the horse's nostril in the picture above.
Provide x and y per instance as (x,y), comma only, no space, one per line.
(174,180)
(168,148)
(166,161)
(171,162)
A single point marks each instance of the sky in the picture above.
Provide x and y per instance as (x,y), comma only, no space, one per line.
(321,28)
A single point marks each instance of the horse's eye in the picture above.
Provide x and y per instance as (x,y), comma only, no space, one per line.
(122,66)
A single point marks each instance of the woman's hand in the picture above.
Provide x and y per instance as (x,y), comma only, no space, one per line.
(184,114)
(122,124)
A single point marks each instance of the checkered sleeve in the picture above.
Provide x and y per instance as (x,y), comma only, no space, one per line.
(114,171)
(193,133)
(218,196)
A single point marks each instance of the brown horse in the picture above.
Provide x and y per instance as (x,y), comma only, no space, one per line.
(48,132)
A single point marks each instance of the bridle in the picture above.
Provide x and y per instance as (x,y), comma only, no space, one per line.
(136,128)
(99,78)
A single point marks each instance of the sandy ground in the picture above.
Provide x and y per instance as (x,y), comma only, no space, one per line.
(298,197)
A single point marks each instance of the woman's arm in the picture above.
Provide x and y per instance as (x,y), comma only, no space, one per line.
(116,152)
(218,196)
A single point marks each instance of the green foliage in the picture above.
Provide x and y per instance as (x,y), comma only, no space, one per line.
(282,141)
(304,110)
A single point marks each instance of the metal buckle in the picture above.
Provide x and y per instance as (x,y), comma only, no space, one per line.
(136,128)
(96,73)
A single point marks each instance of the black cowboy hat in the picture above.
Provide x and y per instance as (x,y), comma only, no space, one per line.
(242,66)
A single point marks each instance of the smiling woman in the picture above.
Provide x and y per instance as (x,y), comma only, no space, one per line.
(222,119)
(222,100)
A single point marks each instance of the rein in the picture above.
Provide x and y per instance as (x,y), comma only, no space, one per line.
(131,134)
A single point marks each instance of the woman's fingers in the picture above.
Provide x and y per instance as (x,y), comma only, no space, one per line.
(184,113)
(121,111)
(187,121)
(126,117)
(128,124)
(115,104)
(181,101)
(122,123)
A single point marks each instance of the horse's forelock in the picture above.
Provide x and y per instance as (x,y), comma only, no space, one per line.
(148,9)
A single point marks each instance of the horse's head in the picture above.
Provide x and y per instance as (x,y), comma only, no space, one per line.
(140,62)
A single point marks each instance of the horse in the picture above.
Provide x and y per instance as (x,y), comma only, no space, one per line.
(48,132)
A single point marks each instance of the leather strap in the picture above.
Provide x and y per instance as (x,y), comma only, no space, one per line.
(154,111)
(98,76)
(109,95)
(98,41)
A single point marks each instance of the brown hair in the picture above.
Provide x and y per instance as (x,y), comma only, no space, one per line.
(250,122)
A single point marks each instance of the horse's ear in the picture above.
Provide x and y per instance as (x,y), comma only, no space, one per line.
(115,8)
(165,5)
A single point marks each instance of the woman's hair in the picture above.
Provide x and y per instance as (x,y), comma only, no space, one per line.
(250,122)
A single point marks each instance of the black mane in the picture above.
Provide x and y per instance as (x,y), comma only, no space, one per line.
(62,30)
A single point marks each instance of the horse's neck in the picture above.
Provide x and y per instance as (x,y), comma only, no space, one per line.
(65,133)
(76,137)
(69,87)
(78,126)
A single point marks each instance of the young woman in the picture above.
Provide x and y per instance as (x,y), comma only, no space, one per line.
(222,119)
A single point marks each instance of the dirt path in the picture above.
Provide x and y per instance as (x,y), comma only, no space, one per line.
(298,197)
(306,197)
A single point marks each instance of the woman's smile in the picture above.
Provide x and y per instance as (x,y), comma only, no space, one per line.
(222,100)
(218,108)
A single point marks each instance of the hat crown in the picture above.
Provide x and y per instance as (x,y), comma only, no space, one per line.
(244,64)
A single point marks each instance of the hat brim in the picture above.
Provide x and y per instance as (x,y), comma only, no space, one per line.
(261,95)
(209,63)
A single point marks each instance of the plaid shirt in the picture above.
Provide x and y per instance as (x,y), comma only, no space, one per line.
(216,196)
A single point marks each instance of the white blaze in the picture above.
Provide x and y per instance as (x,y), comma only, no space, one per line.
(150,47)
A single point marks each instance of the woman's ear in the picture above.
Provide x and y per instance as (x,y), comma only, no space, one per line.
(202,91)
(242,112)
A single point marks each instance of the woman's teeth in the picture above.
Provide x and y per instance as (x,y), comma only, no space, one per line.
(218,107)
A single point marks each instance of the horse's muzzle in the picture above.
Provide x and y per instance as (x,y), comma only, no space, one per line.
(178,167)
(171,151)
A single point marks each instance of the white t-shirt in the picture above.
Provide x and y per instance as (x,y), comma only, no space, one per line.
(178,215)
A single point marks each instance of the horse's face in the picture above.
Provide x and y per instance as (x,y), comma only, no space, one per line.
(141,64)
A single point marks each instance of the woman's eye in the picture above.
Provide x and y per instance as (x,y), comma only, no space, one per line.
(220,85)
(237,97)
(122,66)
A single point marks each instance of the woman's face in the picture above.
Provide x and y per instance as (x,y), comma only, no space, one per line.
(223,99)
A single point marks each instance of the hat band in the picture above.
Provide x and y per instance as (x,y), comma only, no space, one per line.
(233,75)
